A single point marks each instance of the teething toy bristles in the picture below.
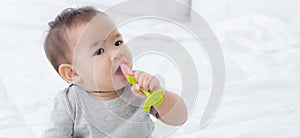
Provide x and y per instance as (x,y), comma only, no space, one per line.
(154,98)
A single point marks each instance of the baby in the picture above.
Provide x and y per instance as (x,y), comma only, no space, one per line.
(86,50)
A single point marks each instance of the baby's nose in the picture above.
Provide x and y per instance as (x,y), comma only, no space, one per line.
(116,55)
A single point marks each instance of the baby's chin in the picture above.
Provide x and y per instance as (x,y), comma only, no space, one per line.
(119,84)
(112,87)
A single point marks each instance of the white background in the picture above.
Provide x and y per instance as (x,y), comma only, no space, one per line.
(259,39)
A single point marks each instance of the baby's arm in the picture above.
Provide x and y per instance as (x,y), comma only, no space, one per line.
(61,123)
(173,110)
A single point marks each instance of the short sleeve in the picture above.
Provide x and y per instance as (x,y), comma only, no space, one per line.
(153,112)
(60,123)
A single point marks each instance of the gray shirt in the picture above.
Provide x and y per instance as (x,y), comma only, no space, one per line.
(77,114)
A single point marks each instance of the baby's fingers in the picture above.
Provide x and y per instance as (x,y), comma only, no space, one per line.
(137,75)
(140,79)
(146,82)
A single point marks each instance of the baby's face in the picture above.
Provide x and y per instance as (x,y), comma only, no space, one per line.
(99,51)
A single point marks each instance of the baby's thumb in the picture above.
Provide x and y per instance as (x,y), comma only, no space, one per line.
(137,91)
(135,88)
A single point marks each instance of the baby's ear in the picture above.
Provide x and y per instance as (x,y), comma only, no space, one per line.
(68,73)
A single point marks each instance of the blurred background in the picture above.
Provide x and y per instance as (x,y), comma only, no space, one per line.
(259,39)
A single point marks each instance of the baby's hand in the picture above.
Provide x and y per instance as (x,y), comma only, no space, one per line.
(145,82)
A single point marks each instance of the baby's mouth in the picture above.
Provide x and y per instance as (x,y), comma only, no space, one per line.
(119,71)
(122,70)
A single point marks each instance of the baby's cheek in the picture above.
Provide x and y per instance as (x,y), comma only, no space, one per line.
(102,79)
(128,54)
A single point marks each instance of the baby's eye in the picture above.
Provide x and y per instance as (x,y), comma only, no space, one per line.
(118,43)
(99,51)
